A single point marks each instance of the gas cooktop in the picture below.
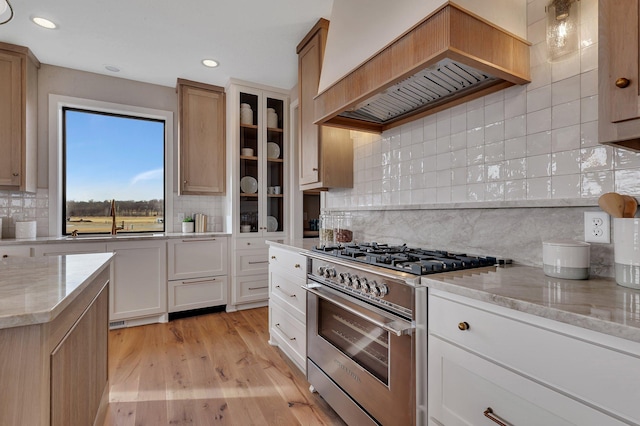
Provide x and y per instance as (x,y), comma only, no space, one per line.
(415,261)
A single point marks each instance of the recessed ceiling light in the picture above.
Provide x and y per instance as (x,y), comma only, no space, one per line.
(112,68)
(44,23)
(210,63)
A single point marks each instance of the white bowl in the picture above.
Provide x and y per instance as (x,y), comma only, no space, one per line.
(567,259)
(247,152)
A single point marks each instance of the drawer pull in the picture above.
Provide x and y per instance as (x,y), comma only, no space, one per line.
(258,288)
(285,334)
(297,265)
(257,262)
(196,240)
(488,413)
(4,256)
(284,292)
(273,257)
(199,281)
(622,82)
(463,326)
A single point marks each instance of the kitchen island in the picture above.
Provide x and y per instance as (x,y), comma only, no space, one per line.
(54,330)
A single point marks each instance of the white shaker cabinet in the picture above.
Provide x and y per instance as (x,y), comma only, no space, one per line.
(138,292)
(288,304)
(488,362)
(197,273)
(15,251)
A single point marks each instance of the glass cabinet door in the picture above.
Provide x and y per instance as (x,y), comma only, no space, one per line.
(275,164)
(250,151)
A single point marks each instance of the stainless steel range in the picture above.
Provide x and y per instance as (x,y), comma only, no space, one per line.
(361,326)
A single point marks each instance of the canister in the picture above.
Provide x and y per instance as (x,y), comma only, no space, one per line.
(567,259)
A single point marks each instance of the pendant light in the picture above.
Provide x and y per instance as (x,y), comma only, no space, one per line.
(4,5)
(562,28)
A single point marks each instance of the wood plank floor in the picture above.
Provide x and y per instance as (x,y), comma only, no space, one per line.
(214,369)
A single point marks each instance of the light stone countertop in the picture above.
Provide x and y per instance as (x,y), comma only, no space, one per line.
(301,245)
(110,238)
(597,304)
(35,290)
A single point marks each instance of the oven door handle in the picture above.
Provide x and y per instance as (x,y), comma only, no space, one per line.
(387,322)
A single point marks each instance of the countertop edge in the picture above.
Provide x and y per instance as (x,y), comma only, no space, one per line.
(108,238)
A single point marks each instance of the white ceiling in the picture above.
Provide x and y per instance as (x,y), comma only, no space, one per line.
(157,41)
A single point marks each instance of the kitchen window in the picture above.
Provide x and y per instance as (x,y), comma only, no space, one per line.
(101,151)
(112,156)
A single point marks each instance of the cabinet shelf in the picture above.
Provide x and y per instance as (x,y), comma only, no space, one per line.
(274,129)
(248,126)
(243,194)
(275,195)
(251,158)
(275,160)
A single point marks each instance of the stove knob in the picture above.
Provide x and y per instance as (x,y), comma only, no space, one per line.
(380,290)
(332,272)
(356,281)
(343,277)
(364,285)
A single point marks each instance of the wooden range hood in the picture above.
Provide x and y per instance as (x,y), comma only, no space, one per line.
(450,57)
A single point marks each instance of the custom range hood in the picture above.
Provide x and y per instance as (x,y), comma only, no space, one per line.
(450,57)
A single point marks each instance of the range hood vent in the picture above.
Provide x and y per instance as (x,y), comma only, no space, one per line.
(450,57)
(429,86)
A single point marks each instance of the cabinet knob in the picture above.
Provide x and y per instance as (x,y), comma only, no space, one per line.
(297,265)
(315,169)
(463,326)
(4,256)
(273,257)
(15,174)
(185,181)
(623,82)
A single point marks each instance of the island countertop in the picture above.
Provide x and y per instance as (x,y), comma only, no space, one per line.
(35,290)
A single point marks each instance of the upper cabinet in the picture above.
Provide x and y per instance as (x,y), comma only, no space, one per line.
(326,153)
(258,140)
(202,138)
(619,74)
(18,118)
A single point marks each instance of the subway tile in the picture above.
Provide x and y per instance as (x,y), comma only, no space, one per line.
(589,83)
(494,113)
(494,171)
(565,138)
(589,109)
(494,132)
(515,148)
(475,192)
(538,143)
(589,134)
(515,169)
(515,190)
(459,176)
(539,188)
(566,90)
(475,137)
(515,101)
(443,195)
(475,173)
(475,118)
(569,66)
(458,193)
(625,159)
(596,158)
(475,155)
(566,114)
(494,191)
(443,161)
(443,178)
(566,186)
(494,152)
(459,158)
(459,122)
(537,31)
(443,126)
(539,166)
(539,98)
(565,162)
(458,141)
(589,57)
(515,126)
(443,144)
(627,181)
(539,121)
(540,76)
(595,184)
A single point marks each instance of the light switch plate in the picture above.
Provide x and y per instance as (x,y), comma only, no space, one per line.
(597,227)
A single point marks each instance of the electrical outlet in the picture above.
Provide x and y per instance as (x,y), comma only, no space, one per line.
(180,217)
(597,228)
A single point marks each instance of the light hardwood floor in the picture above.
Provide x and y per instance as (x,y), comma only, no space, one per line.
(214,369)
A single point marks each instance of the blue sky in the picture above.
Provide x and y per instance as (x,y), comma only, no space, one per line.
(113,157)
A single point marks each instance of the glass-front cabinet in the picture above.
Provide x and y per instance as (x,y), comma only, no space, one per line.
(260,167)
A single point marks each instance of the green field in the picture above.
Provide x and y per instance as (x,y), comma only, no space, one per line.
(100,224)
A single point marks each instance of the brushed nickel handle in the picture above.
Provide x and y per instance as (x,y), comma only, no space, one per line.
(199,281)
(284,292)
(196,240)
(258,288)
(297,265)
(463,326)
(285,334)
(488,413)
(256,262)
(623,82)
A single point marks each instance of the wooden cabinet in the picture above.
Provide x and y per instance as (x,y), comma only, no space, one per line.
(619,73)
(139,284)
(197,272)
(326,153)
(18,118)
(528,370)
(288,304)
(56,373)
(202,138)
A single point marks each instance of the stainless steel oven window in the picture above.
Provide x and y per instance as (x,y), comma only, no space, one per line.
(365,343)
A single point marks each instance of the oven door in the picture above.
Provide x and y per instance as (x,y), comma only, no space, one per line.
(365,351)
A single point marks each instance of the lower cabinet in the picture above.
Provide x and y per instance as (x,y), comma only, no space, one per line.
(15,251)
(250,282)
(138,292)
(288,304)
(197,273)
(488,363)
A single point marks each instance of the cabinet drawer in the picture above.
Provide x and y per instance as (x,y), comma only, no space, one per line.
(15,251)
(468,384)
(197,293)
(606,378)
(288,289)
(197,257)
(252,262)
(291,334)
(253,288)
(290,261)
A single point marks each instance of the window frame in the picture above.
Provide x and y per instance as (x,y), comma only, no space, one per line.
(56,147)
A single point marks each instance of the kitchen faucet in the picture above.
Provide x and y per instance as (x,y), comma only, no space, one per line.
(114,229)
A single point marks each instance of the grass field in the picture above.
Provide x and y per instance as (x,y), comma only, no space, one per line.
(97,224)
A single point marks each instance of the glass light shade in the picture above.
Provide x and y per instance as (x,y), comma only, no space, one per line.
(563,19)
(3,6)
